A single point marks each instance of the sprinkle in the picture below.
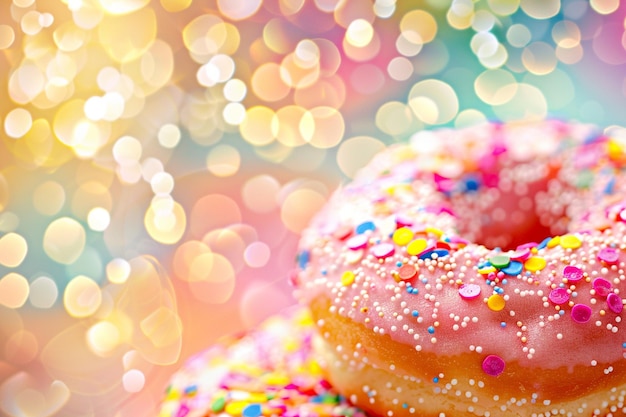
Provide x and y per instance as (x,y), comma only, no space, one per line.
(357,242)
(383,250)
(342,233)
(303,259)
(469,291)
(402,236)
(252,410)
(417,246)
(347,278)
(431,329)
(552,242)
(559,296)
(609,256)
(520,254)
(500,261)
(601,286)
(615,303)
(513,269)
(364,227)
(570,242)
(402,221)
(581,313)
(407,272)
(493,365)
(535,264)
(495,302)
(434,231)
(428,254)
(486,270)
(572,273)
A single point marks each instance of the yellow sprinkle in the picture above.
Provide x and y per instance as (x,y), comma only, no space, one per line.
(487,270)
(434,231)
(402,236)
(347,278)
(495,302)
(554,241)
(235,408)
(570,242)
(417,246)
(258,397)
(615,150)
(535,263)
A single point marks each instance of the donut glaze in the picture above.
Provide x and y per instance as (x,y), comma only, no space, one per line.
(476,272)
(269,371)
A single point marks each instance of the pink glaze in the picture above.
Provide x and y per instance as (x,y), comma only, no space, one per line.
(475,191)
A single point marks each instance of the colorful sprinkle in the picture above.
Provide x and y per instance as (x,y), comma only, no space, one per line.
(407,272)
(572,274)
(500,261)
(609,256)
(559,296)
(615,303)
(535,264)
(347,278)
(417,246)
(383,250)
(357,242)
(601,286)
(496,302)
(570,242)
(402,236)
(581,313)
(368,226)
(514,268)
(493,365)
(469,291)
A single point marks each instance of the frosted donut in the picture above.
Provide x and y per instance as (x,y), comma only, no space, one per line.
(268,371)
(476,272)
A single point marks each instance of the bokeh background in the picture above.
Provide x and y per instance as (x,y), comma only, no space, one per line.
(158,158)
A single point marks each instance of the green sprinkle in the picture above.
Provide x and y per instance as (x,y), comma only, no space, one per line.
(218,404)
(500,261)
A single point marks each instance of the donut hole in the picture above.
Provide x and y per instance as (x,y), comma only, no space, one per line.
(508,216)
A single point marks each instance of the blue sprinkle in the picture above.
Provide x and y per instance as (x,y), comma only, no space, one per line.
(561,312)
(405,405)
(324,272)
(610,186)
(498,290)
(365,226)
(415,313)
(424,281)
(624,345)
(488,281)
(414,290)
(574,294)
(252,410)
(502,324)
(472,184)
(504,281)
(431,329)
(303,259)
(436,379)
(544,243)
(439,252)
(191,389)
(513,268)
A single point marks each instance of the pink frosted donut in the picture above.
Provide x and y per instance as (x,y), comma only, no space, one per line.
(476,272)
(269,371)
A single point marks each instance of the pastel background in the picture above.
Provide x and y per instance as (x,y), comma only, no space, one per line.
(159,158)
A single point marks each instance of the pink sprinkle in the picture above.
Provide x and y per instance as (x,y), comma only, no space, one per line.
(357,242)
(581,313)
(520,254)
(402,221)
(383,250)
(602,287)
(572,273)
(559,296)
(469,291)
(615,303)
(493,365)
(622,215)
(609,255)
(528,245)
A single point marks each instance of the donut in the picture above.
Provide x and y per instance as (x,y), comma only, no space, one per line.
(268,371)
(475,272)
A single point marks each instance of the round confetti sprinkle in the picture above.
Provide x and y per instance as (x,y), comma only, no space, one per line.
(535,263)
(500,261)
(417,246)
(470,291)
(496,302)
(570,242)
(407,272)
(402,236)
(601,286)
(357,242)
(572,274)
(559,296)
(615,303)
(581,313)
(609,255)
(383,250)
(347,278)
(493,365)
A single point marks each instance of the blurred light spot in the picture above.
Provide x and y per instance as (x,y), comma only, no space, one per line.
(503,7)
(185,255)
(68,37)
(329,92)
(296,75)
(483,20)
(323,127)
(566,34)
(103,337)
(528,102)
(400,69)
(394,118)
(364,53)
(421,22)
(127,37)
(223,161)
(204,36)
(541,9)
(257,254)
(7,36)
(433,101)
(162,183)
(219,69)
(608,47)
(238,9)
(64,240)
(235,90)
(118,270)
(127,150)
(290,7)
(18,122)
(460,13)
(214,285)
(21,348)
(150,167)
(469,117)
(557,87)
(359,33)
(409,43)
(354,153)
(133,380)
(569,56)
(539,58)
(169,135)
(276,36)
(26,83)
(98,219)
(258,127)
(43,292)
(9,222)
(162,327)
(30,23)
(384,9)
(28,396)
(306,54)
(259,193)
(82,297)
(495,86)
(268,82)
(14,290)
(162,204)
(213,211)
(234,113)
(367,79)
(166,228)
(518,35)
(604,6)
(175,5)
(84,136)
(299,207)
(13,250)
(287,120)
